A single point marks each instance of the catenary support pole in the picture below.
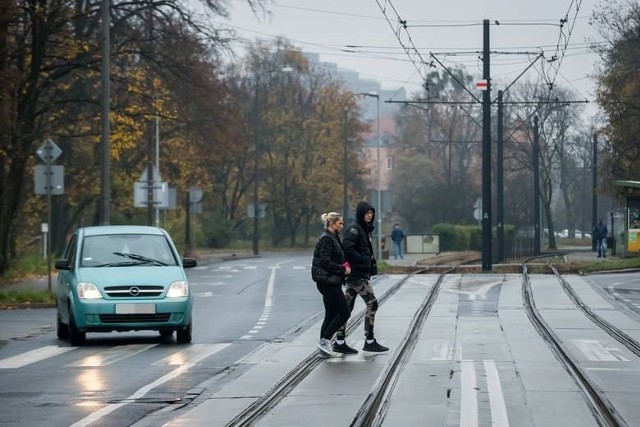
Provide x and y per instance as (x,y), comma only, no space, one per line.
(486,153)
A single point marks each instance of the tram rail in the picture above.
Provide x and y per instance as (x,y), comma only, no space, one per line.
(372,410)
(603,410)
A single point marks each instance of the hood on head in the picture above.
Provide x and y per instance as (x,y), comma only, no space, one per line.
(362,209)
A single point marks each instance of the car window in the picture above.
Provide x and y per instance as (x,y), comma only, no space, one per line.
(103,250)
(70,252)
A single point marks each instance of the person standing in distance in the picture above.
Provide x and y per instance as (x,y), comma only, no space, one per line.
(359,254)
(600,233)
(328,270)
(397,236)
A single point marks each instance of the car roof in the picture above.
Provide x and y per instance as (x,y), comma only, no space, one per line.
(120,229)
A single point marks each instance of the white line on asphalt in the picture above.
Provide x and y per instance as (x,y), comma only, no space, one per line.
(112,355)
(468,395)
(144,390)
(33,356)
(499,416)
(596,351)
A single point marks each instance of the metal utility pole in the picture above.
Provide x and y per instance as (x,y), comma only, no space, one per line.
(345,201)
(256,158)
(594,199)
(379,208)
(378,166)
(105,189)
(536,187)
(499,180)
(151,179)
(486,153)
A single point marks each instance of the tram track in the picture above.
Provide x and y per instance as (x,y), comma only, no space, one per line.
(601,407)
(279,390)
(371,412)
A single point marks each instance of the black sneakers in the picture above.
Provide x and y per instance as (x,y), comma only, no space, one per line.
(373,347)
(344,349)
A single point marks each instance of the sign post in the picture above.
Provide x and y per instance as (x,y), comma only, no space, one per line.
(49,152)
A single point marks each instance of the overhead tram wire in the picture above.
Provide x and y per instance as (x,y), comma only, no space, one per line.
(412,50)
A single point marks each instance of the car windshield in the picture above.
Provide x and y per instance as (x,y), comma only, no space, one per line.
(115,250)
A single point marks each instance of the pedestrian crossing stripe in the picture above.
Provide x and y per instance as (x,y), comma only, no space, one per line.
(33,356)
(193,354)
(111,355)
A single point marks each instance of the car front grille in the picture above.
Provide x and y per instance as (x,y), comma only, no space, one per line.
(134,318)
(132,291)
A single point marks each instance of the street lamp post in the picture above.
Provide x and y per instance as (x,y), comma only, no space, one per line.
(256,158)
(345,201)
(378,184)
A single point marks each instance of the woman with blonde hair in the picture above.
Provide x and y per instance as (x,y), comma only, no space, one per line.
(328,270)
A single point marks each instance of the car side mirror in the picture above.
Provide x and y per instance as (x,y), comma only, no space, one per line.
(62,264)
(188,262)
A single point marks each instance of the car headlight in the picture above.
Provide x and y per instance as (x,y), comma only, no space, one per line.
(88,291)
(178,288)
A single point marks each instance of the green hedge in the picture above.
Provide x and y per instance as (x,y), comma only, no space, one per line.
(464,237)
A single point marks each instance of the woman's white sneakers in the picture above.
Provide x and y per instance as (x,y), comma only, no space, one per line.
(325,346)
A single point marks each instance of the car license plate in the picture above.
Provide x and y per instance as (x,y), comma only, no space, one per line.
(135,308)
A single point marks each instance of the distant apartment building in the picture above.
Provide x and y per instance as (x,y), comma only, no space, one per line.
(372,146)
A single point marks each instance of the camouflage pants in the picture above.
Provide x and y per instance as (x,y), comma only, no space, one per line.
(363,288)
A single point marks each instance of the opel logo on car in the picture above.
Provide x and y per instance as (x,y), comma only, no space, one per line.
(134,291)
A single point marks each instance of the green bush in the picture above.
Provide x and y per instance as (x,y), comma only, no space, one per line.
(216,231)
(452,237)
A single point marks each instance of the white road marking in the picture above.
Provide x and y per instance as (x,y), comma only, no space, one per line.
(499,416)
(468,395)
(33,356)
(110,356)
(96,416)
(203,294)
(191,354)
(268,302)
(445,351)
(595,351)
(481,293)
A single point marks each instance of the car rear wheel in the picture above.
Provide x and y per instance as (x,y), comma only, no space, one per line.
(62,330)
(76,336)
(183,336)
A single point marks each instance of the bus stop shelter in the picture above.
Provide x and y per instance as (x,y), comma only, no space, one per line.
(630,192)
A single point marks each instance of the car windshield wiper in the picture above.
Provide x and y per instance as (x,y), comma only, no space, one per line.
(142,258)
(121,264)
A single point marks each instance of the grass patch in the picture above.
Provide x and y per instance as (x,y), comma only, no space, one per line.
(26,296)
(24,268)
(610,263)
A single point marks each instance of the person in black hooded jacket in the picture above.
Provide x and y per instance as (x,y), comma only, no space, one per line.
(359,254)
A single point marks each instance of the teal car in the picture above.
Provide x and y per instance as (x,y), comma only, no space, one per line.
(122,278)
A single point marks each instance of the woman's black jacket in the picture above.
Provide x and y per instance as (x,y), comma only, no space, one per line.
(328,260)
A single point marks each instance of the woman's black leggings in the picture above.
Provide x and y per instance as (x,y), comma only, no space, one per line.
(336,310)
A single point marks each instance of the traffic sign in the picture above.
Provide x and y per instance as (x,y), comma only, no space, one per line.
(56,182)
(160,194)
(195,194)
(49,151)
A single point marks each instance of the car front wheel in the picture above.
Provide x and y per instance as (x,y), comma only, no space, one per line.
(62,330)
(183,336)
(76,336)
